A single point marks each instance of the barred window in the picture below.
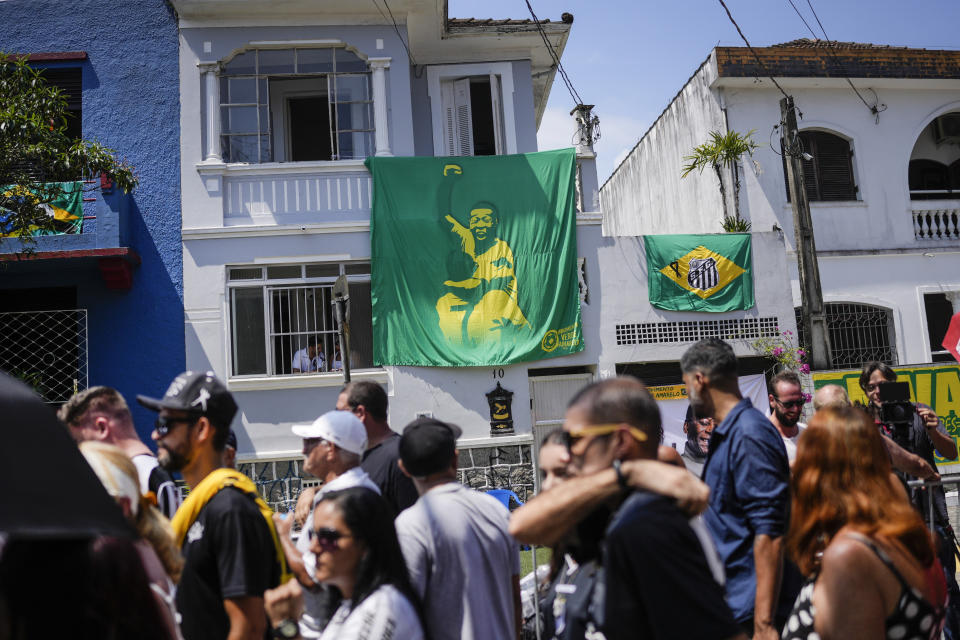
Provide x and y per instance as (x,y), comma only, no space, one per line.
(858,333)
(283,321)
(291,105)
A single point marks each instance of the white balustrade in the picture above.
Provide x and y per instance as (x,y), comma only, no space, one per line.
(936,224)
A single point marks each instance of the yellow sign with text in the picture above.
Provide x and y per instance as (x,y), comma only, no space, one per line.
(937,386)
(669,392)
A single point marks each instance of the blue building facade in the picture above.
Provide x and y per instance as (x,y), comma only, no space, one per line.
(104,306)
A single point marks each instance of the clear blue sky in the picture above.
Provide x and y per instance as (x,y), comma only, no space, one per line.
(631,57)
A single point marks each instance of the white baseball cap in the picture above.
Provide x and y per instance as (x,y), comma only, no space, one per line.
(342,428)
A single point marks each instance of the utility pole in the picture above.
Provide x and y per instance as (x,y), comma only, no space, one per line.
(811,295)
(341,304)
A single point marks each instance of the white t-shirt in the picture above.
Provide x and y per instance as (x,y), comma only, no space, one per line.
(462,562)
(791,442)
(302,361)
(319,362)
(355,477)
(385,614)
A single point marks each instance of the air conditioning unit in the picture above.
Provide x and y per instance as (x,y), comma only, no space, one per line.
(946,129)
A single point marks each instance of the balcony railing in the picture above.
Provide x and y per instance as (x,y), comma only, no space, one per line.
(936,219)
(104,225)
(294,192)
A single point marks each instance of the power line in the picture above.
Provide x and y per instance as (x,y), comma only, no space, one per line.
(752,50)
(553,54)
(874,109)
(395,28)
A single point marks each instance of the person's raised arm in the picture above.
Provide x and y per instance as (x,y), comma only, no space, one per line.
(547,518)
(943,443)
(909,463)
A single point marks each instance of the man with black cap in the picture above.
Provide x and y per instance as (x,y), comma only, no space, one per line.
(230,546)
(463,563)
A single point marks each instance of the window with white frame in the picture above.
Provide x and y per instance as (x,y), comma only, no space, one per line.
(282,320)
(296,104)
(472,109)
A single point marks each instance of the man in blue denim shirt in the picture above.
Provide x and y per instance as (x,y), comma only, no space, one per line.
(748,475)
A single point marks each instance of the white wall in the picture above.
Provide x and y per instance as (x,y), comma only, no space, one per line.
(625,299)
(645,194)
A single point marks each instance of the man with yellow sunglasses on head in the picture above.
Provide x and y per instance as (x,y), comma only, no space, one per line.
(652,574)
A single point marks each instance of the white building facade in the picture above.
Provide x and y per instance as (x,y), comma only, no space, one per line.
(883,182)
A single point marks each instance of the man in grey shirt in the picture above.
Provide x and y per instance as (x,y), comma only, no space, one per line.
(463,563)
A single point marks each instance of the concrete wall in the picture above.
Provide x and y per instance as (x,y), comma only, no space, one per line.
(623,297)
(645,194)
(130,103)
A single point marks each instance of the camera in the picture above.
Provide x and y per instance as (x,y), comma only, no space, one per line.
(896,410)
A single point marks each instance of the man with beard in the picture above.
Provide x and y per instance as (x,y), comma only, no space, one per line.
(786,405)
(698,432)
(230,546)
(748,475)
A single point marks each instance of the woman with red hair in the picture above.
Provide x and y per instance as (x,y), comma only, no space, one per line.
(870,560)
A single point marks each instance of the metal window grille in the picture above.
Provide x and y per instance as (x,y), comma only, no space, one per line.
(47,350)
(859,333)
(247,127)
(298,314)
(678,332)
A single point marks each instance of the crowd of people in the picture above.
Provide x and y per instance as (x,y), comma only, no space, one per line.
(762,527)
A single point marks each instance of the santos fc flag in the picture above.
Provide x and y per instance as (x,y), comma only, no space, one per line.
(474,260)
(710,272)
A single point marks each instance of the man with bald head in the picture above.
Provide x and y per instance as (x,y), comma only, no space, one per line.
(830,396)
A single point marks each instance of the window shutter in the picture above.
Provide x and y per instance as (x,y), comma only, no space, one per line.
(497,102)
(834,167)
(449,119)
(464,119)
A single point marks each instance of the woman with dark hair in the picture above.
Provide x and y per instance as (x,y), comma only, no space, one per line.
(870,559)
(354,539)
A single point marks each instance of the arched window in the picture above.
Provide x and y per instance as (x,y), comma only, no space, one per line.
(828,176)
(859,333)
(927,175)
(289,105)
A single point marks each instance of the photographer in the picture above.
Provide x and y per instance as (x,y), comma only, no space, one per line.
(925,435)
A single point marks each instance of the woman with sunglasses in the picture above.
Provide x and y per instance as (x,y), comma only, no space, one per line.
(870,559)
(357,551)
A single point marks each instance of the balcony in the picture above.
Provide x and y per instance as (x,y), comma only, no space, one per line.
(282,193)
(935,220)
(102,242)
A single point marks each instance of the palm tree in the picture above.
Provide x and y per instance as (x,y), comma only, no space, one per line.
(724,151)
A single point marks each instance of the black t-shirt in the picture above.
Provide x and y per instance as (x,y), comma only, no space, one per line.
(658,582)
(229,553)
(380,463)
(163,486)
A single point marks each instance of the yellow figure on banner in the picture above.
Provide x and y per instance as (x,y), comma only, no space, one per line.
(491,292)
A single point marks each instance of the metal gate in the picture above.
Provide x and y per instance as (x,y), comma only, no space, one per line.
(549,396)
(47,350)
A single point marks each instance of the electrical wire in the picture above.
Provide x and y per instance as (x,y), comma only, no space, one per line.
(752,50)
(553,54)
(396,28)
(875,109)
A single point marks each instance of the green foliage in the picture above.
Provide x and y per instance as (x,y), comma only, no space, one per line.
(723,151)
(35,151)
(784,351)
(733,224)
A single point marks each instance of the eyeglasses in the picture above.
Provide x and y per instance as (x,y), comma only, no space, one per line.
(573,436)
(309,444)
(165,425)
(790,404)
(328,539)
